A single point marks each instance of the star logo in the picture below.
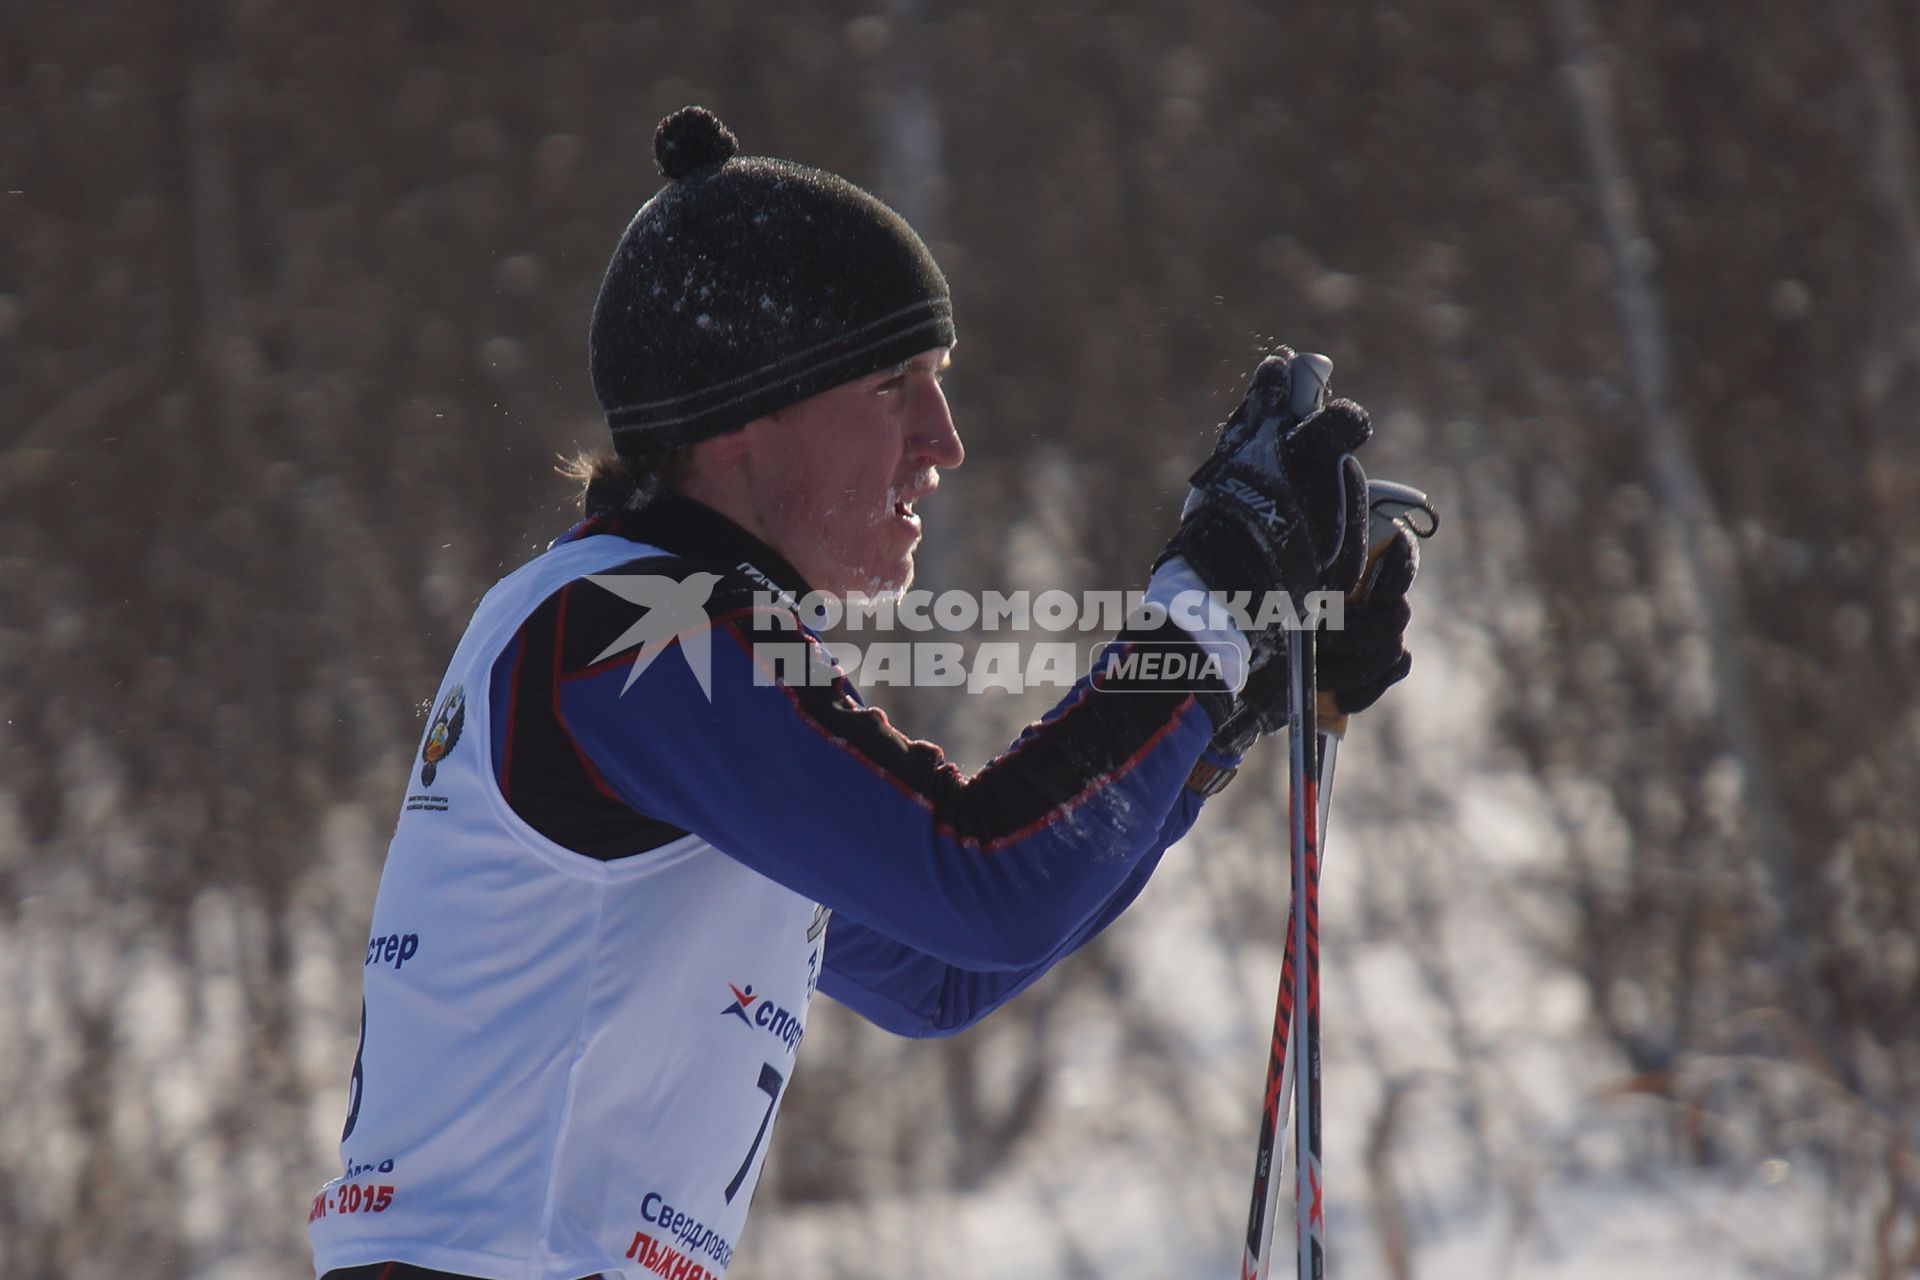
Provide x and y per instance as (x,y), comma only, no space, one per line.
(741,1000)
(675,610)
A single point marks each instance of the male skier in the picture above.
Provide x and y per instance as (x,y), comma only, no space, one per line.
(634,845)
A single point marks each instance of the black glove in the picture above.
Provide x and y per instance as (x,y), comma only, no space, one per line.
(1281,505)
(1368,655)
(1355,664)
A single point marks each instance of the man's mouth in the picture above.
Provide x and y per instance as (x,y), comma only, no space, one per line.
(906,495)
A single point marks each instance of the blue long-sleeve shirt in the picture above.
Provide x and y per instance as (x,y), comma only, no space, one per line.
(951,893)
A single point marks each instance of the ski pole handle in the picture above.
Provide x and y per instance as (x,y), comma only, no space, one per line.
(1311,373)
(1392,506)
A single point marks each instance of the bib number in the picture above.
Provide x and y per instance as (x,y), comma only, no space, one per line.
(771,1082)
(358,1083)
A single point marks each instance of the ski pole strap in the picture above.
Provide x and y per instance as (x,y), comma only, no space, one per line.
(1209,779)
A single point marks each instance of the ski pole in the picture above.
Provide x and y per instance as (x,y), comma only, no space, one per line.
(1302,771)
(1308,395)
(1392,507)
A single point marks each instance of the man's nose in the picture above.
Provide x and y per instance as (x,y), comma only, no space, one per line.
(935,441)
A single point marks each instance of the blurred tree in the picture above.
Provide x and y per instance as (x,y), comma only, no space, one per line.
(292,307)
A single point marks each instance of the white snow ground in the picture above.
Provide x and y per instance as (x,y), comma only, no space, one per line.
(1513,1150)
(1578,1187)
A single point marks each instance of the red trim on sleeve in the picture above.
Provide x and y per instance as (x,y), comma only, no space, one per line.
(559,717)
(1092,786)
(513,708)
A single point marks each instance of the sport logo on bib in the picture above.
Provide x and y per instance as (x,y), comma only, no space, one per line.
(742,1001)
(759,1012)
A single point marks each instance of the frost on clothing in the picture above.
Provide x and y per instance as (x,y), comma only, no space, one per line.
(1000,872)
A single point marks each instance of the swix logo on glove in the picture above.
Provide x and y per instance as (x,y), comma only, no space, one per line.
(1261,504)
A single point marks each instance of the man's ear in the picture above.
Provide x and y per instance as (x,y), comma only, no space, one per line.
(720,453)
(711,469)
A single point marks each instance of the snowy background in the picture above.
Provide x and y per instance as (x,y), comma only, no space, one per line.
(1621,956)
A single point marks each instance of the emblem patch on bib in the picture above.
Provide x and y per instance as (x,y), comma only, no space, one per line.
(444,734)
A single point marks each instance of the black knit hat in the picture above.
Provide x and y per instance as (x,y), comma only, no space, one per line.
(748,284)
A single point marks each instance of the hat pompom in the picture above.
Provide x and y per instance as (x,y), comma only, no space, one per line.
(692,139)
